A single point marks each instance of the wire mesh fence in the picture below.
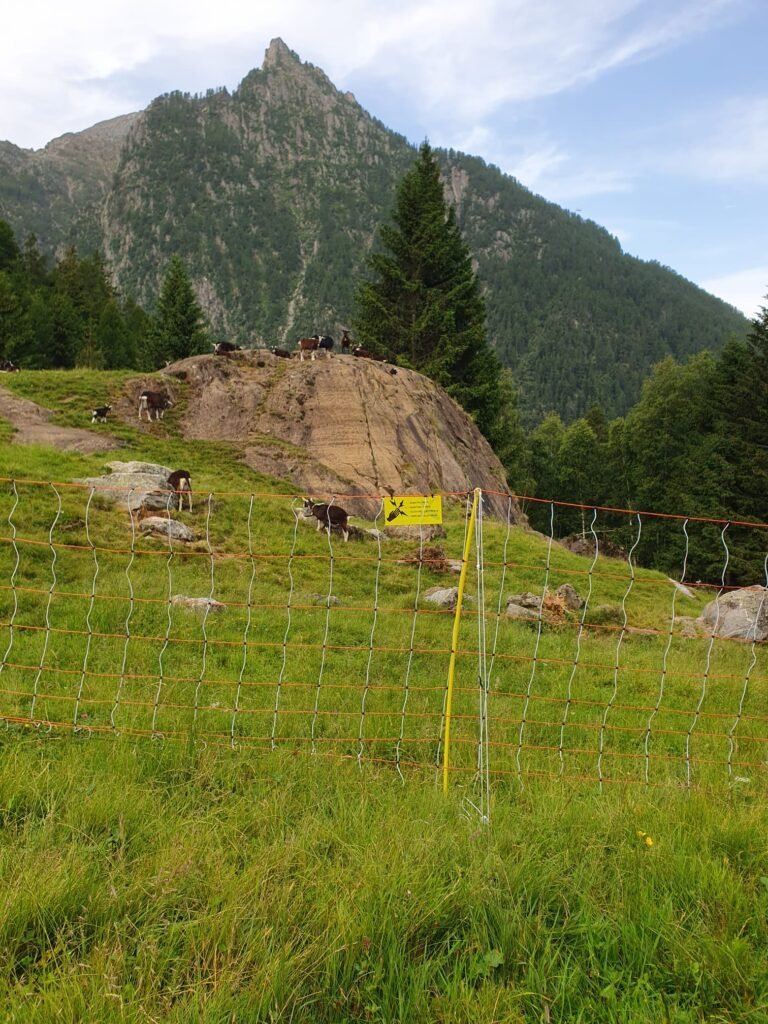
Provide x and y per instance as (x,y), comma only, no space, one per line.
(263,632)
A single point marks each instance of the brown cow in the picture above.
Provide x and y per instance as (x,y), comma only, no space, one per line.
(308,345)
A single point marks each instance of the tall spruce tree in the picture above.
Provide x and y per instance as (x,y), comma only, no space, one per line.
(178,325)
(423,303)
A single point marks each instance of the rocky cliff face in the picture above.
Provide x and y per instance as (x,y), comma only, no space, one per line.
(56,192)
(277,190)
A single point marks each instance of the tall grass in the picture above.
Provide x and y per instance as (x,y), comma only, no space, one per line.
(153,882)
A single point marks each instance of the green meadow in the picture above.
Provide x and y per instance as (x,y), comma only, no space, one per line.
(236,812)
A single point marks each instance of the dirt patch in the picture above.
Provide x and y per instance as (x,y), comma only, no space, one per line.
(32,425)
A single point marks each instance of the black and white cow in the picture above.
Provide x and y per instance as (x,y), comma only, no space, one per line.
(180,483)
(100,413)
(364,353)
(283,353)
(225,348)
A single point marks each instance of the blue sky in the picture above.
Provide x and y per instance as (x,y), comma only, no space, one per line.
(648,117)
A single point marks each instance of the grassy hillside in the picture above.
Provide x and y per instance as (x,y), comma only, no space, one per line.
(162,861)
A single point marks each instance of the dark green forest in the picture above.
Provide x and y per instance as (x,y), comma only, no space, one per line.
(69,314)
(696,445)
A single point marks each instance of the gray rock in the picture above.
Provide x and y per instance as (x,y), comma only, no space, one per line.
(518,611)
(198,603)
(569,596)
(424,533)
(166,527)
(741,614)
(681,588)
(133,485)
(443,597)
(525,600)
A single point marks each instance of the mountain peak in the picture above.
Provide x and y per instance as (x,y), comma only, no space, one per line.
(277,54)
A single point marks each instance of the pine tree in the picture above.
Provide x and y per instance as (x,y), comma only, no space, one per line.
(178,325)
(9,249)
(423,303)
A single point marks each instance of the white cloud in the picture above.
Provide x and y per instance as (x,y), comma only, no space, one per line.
(62,65)
(744,289)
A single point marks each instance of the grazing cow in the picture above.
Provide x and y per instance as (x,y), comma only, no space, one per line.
(225,348)
(282,352)
(6,366)
(180,483)
(99,414)
(154,402)
(329,516)
(363,353)
(346,341)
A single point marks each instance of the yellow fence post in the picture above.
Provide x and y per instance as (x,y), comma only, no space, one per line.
(455,639)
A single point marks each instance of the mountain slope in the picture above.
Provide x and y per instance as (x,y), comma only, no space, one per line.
(273,194)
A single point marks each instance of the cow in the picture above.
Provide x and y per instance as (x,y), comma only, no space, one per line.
(6,366)
(154,402)
(364,353)
(325,342)
(99,414)
(225,348)
(329,516)
(308,345)
(346,341)
(180,483)
(283,353)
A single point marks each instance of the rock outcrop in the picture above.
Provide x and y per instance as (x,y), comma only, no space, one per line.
(339,426)
(741,614)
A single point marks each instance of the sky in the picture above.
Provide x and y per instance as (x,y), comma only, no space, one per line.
(649,117)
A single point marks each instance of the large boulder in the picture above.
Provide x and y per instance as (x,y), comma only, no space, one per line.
(134,485)
(342,426)
(166,527)
(741,614)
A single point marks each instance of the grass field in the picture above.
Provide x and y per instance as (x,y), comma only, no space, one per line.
(171,850)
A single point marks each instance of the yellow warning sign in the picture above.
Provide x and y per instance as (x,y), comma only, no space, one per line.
(413,510)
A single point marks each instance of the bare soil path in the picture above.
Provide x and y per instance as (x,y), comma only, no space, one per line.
(32,425)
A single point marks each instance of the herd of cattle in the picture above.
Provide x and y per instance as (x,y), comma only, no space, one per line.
(153,404)
(310,345)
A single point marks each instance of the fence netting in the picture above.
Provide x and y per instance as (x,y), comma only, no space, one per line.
(266,633)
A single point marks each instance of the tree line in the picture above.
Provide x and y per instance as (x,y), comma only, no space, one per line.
(70,314)
(696,444)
